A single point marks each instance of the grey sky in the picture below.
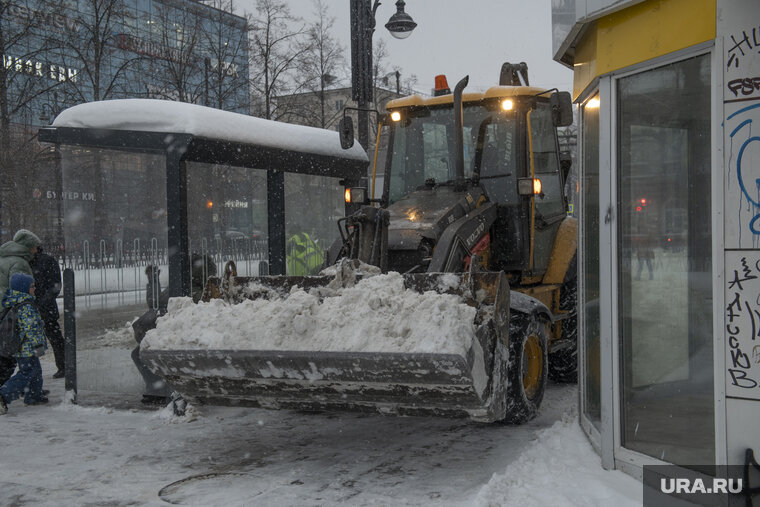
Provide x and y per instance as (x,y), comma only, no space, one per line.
(459,37)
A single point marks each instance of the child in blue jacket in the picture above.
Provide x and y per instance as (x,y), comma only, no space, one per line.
(28,380)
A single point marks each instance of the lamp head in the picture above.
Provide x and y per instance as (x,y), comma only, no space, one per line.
(401,24)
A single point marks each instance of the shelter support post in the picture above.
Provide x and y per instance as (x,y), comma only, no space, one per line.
(70,332)
(276,221)
(176,217)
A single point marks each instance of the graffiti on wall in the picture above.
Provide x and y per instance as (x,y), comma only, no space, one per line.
(741,127)
(744,169)
(738,39)
(744,86)
(742,45)
(742,315)
(742,49)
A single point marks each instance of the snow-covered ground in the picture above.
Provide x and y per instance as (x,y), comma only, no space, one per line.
(111,451)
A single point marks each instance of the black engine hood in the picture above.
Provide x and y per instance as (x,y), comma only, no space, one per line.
(426,213)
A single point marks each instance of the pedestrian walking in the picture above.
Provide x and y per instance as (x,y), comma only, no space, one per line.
(644,255)
(14,258)
(47,280)
(154,296)
(156,390)
(28,380)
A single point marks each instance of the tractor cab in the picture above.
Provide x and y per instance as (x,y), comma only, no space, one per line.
(510,157)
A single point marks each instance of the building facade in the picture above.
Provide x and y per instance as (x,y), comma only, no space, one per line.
(669,253)
(61,53)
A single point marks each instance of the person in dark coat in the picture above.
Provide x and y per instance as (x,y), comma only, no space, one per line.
(47,278)
(203,266)
(14,258)
(156,390)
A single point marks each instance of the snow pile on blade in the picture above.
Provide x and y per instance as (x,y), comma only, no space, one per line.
(377,314)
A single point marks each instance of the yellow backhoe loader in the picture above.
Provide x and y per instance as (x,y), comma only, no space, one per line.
(471,184)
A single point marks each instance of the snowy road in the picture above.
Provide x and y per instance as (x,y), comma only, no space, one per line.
(64,454)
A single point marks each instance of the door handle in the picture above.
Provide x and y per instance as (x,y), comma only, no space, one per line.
(608,216)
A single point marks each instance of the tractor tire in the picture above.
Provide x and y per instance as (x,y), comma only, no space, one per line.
(563,362)
(527,370)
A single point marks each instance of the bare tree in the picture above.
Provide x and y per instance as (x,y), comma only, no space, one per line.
(225,65)
(101,76)
(408,83)
(384,81)
(379,62)
(26,79)
(384,76)
(320,64)
(177,73)
(108,62)
(276,46)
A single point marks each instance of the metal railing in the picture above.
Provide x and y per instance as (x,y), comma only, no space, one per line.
(113,273)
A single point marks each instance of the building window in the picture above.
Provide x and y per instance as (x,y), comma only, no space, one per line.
(339,105)
(664,262)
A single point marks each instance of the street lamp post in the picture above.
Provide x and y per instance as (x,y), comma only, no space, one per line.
(400,25)
(53,108)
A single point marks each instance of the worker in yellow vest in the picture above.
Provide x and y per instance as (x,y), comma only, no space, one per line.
(304,256)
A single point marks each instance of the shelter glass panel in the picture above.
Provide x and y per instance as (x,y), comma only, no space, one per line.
(591,383)
(226,220)
(664,262)
(114,227)
(313,206)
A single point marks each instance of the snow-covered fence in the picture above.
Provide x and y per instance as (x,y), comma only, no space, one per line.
(111,273)
(113,254)
(102,253)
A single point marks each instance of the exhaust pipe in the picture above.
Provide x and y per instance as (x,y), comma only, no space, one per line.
(459,184)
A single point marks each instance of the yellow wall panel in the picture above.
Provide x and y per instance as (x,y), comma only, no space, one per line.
(584,68)
(640,33)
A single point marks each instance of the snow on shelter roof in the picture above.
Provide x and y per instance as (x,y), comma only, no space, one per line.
(168,117)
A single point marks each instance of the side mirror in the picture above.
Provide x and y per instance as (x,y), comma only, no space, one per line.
(356,195)
(346,132)
(529,186)
(562,109)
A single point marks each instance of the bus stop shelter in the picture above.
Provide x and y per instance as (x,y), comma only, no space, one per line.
(183,134)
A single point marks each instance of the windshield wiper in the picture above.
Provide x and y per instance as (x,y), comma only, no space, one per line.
(495,176)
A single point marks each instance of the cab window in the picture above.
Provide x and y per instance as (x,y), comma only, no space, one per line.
(497,159)
(546,161)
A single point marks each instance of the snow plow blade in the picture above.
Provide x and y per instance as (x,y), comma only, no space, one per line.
(471,384)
